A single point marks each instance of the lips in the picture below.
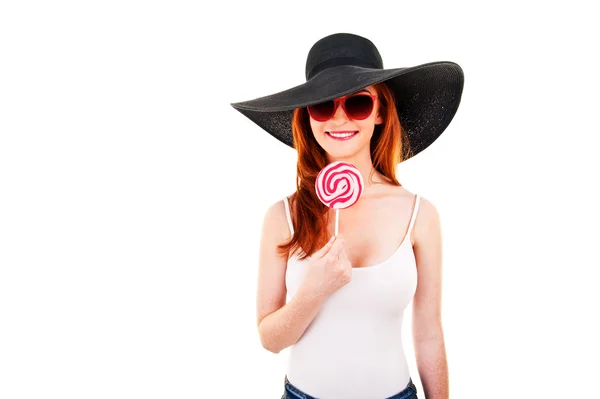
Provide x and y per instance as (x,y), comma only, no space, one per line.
(342,135)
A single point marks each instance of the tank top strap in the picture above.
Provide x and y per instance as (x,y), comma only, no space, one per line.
(287,213)
(414,214)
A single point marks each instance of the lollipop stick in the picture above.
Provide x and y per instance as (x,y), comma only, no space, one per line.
(337,219)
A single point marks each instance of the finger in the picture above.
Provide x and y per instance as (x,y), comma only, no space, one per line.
(336,250)
(323,251)
(338,245)
(343,254)
(340,249)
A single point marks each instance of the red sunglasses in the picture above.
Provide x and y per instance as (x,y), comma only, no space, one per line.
(358,106)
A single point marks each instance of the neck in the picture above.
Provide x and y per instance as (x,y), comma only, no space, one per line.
(364,164)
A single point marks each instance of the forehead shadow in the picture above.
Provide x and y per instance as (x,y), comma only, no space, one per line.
(365,90)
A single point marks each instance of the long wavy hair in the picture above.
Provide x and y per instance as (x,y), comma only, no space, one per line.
(389,146)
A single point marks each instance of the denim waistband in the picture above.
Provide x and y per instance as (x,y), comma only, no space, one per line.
(407,392)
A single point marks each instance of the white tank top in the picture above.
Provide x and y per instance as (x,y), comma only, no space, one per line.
(353,347)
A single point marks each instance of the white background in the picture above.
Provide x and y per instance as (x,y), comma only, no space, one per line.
(132,194)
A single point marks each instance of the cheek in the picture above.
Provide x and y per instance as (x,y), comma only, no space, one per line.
(316,127)
(367,125)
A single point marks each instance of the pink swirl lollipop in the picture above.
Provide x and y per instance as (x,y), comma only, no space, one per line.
(339,185)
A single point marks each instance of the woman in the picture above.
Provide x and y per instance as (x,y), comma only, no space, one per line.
(343,322)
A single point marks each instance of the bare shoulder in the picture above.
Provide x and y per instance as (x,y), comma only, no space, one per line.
(275,225)
(427,223)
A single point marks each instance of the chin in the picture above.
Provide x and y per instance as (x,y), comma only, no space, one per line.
(336,153)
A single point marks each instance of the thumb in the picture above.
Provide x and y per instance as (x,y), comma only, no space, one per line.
(323,251)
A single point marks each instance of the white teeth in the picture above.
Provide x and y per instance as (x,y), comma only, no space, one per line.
(341,135)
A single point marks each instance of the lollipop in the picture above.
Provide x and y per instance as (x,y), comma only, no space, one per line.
(339,186)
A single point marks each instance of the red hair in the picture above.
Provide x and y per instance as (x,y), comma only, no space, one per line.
(389,146)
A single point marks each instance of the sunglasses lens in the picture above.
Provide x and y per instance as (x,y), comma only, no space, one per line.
(321,112)
(359,107)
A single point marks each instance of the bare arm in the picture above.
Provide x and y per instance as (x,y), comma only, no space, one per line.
(280,325)
(285,326)
(428,335)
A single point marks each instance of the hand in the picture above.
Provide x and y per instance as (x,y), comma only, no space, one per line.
(328,269)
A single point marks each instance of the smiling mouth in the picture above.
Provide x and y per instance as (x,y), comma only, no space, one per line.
(342,135)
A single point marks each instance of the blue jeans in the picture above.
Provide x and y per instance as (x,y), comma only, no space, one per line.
(291,392)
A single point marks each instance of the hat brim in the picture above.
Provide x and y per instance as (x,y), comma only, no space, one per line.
(427,98)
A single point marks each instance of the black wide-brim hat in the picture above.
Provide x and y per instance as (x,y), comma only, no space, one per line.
(427,96)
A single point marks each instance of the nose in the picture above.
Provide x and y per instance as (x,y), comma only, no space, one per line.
(339,113)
